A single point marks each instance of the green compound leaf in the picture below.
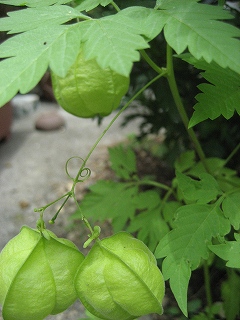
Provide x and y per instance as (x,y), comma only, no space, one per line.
(56,46)
(149,224)
(110,200)
(219,97)
(229,251)
(231,209)
(31,18)
(34,3)
(169,211)
(203,190)
(107,41)
(226,177)
(231,296)
(114,40)
(87,5)
(123,162)
(144,19)
(186,245)
(196,27)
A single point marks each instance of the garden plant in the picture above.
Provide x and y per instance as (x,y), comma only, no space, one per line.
(180,59)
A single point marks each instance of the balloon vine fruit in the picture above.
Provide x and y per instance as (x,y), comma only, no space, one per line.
(36,275)
(119,279)
(88,90)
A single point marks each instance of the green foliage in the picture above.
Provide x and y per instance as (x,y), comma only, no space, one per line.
(220,96)
(34,3)
(186,25)
(228,251)
(186,245)
(191,222)
(148,224)
(123,162)
(91,4)
(207,215)
(33,18)
(230,206)
(110,199)
(203,190)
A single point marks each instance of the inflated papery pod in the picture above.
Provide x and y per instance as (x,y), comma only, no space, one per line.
(88,90)
(119,279)
(37,275)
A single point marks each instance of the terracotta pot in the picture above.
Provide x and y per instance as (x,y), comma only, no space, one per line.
(6,116)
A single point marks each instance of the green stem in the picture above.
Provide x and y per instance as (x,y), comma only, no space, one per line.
(154,184)
(178,101)
(116,7)
(51,203)
(57,213)
(167,195)
(151,63)
(207,288)
(114,119)
(232,154)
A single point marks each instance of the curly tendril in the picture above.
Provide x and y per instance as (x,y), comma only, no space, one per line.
(83,174)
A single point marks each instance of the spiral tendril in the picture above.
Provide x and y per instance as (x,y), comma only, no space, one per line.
(83,174)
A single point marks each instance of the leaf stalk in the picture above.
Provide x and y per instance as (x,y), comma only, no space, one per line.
(207,288)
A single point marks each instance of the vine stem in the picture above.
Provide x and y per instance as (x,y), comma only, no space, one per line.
(154,184)
(151,63)
(116,7)
(51,203)
(178,101)
(232,154)
(113,120)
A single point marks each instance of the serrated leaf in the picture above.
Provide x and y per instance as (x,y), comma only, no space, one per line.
(231,209)
(226,177)
(123,162)
(229,251)
(149,224)
(110,200)
(31,18)
(197,27)
(202,191)
(186,245)
(114,40)
(87,5)
(220,97)
(33,3)
(185,161)
(179,275)
(169,211)
(145,18)
(231,296)
(55,46)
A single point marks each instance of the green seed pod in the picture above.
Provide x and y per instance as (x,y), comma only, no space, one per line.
(119,279)
(36,275)
(88,90)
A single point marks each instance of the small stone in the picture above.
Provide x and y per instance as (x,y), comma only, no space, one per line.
(49,121)
(24,204)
